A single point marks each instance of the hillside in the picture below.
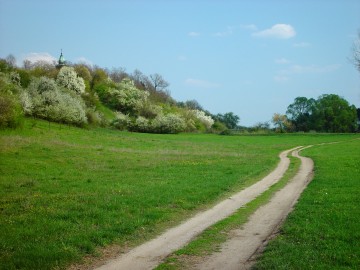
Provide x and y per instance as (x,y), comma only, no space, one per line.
(84,95)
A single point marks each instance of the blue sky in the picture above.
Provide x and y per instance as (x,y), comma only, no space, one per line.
(249,57)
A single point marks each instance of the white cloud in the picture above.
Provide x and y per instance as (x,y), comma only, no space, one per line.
(251,27)
(43,56)
(225,33)
(193,34)
(301,44)
(298,69)
(282,31)
(83,60)
(285,74)
(201,83)
(281,78)
(282,61)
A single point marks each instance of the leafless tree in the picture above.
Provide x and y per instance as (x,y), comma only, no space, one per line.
(356,52)
(11,60)
(159,82)
(118,74)
(27,64)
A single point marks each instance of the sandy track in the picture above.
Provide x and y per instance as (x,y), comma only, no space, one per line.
(151,253)
(239,252)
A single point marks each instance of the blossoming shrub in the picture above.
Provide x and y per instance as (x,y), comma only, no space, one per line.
(68,78)
(125,97)
(141,124)
(171,123)
(121,122)
(203,118)
(46,100)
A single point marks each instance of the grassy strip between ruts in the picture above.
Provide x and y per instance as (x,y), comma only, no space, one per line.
(210,240)
(323,232)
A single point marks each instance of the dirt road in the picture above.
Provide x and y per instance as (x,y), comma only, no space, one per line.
(150,254)
(237,253)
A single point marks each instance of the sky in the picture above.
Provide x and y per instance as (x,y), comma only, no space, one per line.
(252,58)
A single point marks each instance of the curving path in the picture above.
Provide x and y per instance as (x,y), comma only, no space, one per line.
(240,251)
(151,253)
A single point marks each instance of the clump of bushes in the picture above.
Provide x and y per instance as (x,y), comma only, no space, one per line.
(11,113)
(47,100)
(85,95)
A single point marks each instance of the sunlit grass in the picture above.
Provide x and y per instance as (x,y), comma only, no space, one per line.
(65,191)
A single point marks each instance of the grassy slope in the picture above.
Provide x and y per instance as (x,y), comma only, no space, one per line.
(65,191)
(323,232)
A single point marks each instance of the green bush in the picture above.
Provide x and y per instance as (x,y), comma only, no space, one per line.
(11,114)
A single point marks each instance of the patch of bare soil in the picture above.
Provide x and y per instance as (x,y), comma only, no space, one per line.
(151,253)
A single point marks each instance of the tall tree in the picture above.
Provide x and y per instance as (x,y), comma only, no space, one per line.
(281,122)
(11,60)
(159,82)
(229,119)
(300,113)
(335,114)
(356,52)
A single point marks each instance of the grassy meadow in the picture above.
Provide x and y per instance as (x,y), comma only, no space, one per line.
(65,191)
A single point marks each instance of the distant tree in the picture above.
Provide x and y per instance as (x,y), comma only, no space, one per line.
(158,82)
(141,81)
(335,114)
(300,113)
(118,74)
(27,64)
(83,71)
(4,66)
(358,116)
(261,126)
(356,52)
(229,119)
(99,76)
(11,60)
(281,122)
(193,105)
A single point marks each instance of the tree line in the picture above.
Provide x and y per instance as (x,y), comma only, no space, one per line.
(328,113)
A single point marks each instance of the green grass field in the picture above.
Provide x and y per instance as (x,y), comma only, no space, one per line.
(65,191)
(323,232)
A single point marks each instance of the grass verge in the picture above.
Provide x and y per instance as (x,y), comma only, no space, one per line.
(323,232)
(210,240)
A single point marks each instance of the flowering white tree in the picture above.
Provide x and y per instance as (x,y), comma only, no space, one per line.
(44,99)
(203,118)
(126,97)
(69,79)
